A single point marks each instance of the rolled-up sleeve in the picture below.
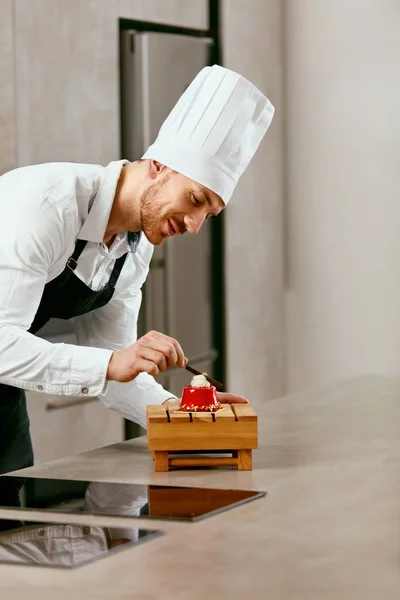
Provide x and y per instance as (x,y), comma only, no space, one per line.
(32,240)
(114,326)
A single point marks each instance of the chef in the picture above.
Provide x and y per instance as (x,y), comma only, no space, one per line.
(77,240)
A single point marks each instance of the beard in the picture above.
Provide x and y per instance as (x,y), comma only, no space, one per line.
(151,205)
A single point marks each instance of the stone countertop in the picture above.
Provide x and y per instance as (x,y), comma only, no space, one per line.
(327,529)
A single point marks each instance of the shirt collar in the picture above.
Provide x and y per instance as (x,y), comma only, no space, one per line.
(96,221)
(124,242)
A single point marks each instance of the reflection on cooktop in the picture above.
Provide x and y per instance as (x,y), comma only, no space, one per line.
(66,546)
(119,499)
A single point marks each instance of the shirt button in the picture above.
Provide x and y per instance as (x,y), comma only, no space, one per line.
(86,529)
(41,532)
(40,388)
(85,390)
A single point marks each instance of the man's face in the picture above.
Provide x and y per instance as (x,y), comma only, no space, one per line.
(174,204)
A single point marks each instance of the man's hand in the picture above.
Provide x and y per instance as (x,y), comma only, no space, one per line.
(222,397)
(172,403)
(227,398)
(153,353)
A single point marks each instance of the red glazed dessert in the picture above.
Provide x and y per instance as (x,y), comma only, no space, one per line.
(199,398)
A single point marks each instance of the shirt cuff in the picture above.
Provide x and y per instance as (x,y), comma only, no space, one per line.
(88,371)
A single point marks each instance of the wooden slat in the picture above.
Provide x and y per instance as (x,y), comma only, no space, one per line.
(156,414)
(225,414)
(202,416)
(179,417)
(244,412)
(203,462)
(245,462)
(161,462)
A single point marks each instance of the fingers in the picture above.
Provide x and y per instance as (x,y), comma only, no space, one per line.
(169,346)
(153,353)
(148,366)
(227,398)
(172,403)
(157,357)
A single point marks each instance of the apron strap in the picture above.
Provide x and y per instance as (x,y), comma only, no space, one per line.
(119,263)
(72,262)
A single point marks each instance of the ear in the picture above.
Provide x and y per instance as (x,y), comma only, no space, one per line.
(155,169)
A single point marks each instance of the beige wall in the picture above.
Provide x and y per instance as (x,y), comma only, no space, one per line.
(343,149)
(63,102)
(67,89)
(7,131)
(253,220)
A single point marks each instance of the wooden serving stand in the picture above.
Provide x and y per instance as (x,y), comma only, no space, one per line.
(232,429)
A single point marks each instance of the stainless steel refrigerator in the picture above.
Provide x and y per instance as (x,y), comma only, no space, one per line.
(156,68)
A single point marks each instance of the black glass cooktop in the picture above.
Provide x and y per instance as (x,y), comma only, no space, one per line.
(64,546)
(119,499)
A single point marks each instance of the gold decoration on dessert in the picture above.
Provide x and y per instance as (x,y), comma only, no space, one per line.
(205,408)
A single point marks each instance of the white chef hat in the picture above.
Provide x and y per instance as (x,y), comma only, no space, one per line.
(214,130)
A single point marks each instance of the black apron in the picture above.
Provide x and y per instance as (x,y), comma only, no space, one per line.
(64,298)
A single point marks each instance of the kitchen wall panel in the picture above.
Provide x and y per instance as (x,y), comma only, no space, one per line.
(67,431)
(7,121)
(343,148)
(67,83)
(254,218)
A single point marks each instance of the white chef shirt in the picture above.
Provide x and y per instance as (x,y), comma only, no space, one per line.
(59,545)
(44,209)
(116,499)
